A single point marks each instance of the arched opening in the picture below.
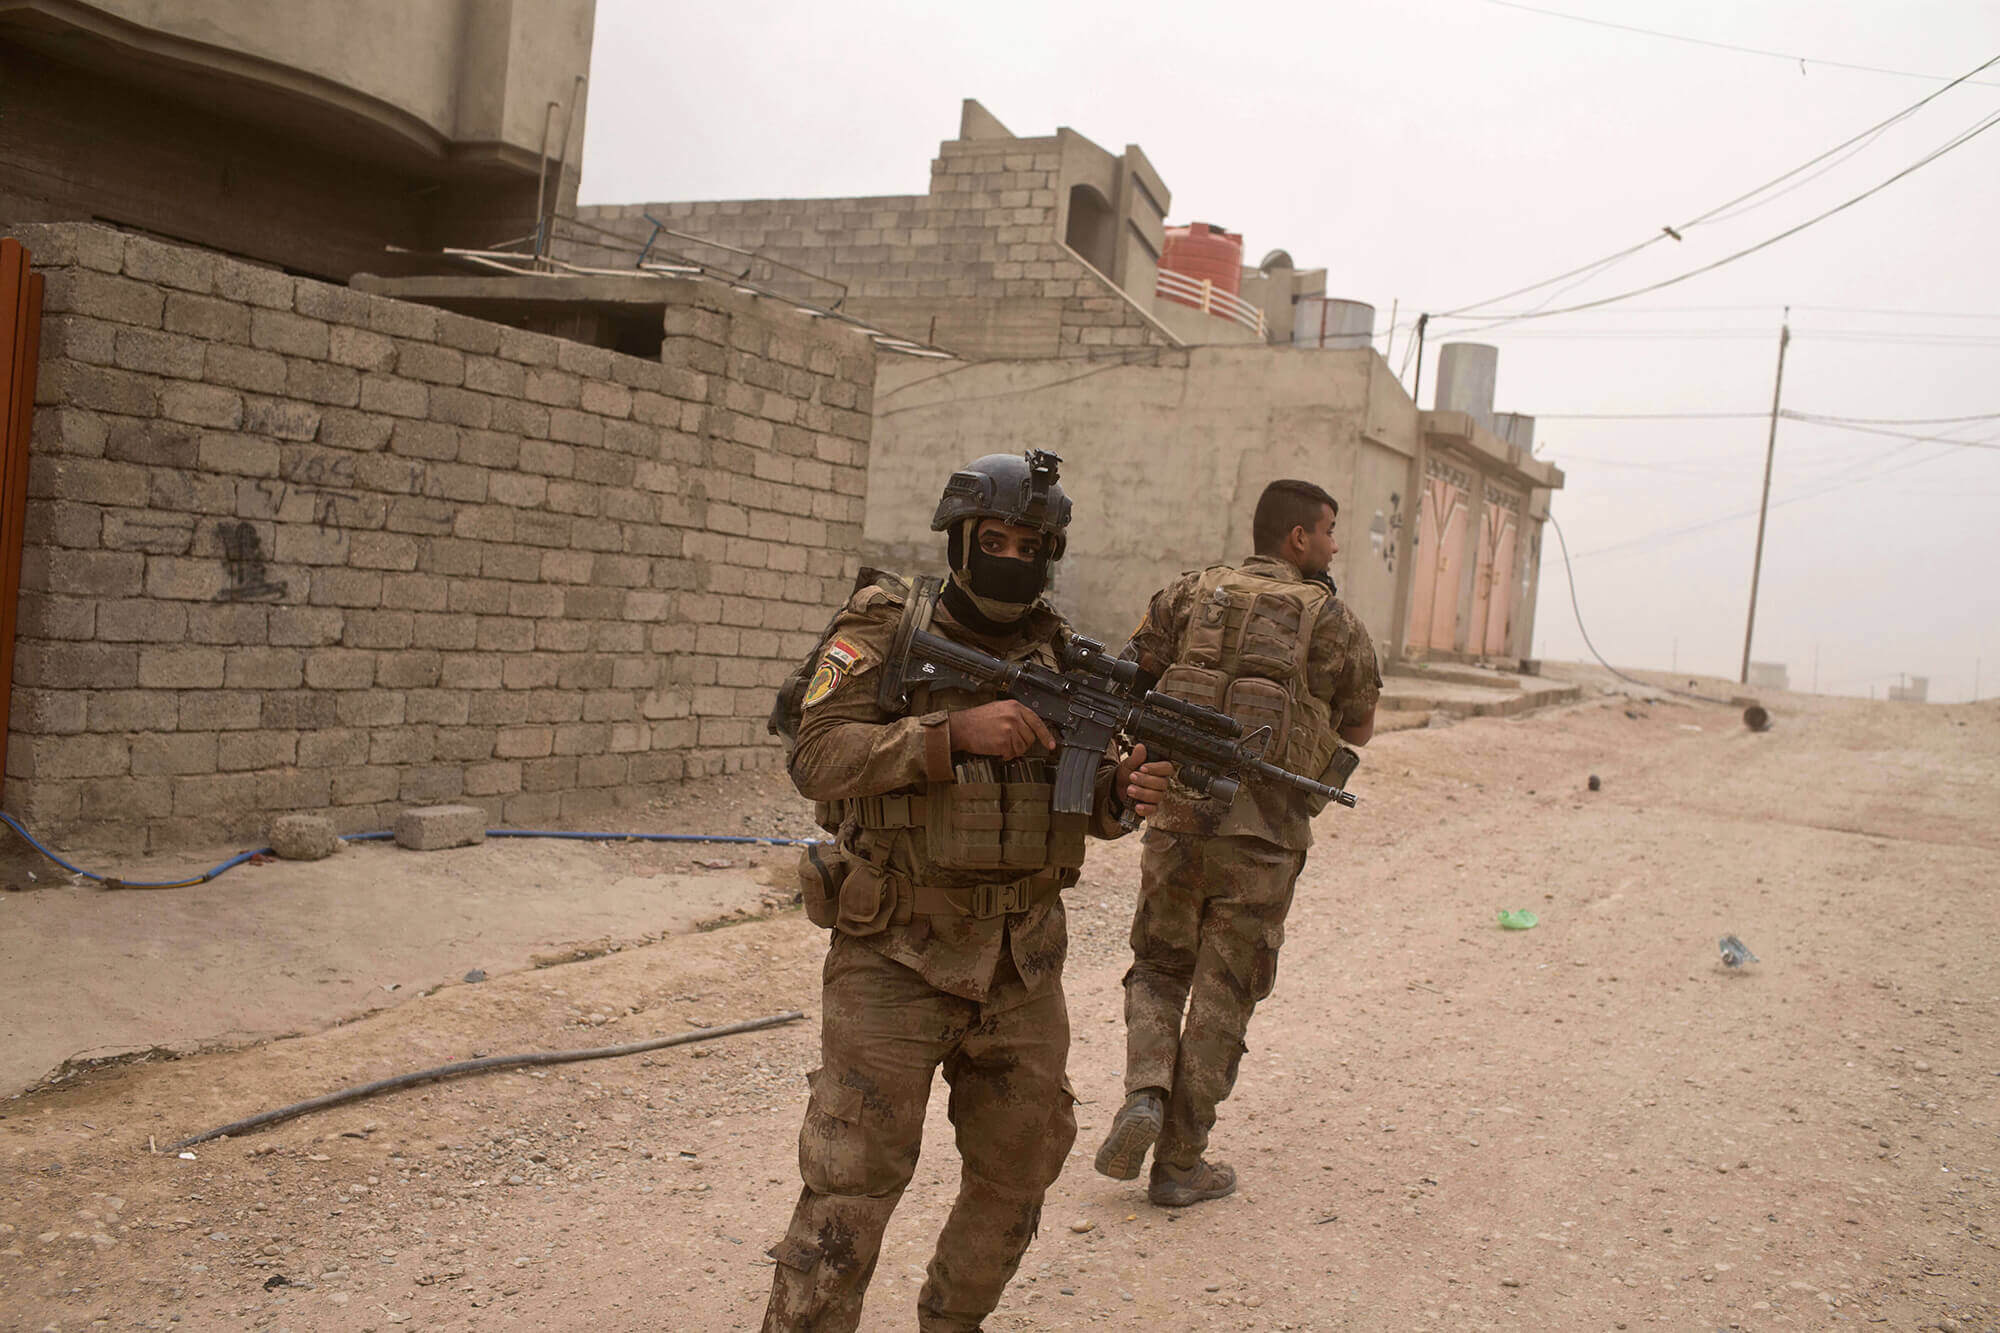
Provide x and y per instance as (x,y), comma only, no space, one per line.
(1093,229)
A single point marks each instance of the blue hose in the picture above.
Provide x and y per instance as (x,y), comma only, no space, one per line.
(114,882)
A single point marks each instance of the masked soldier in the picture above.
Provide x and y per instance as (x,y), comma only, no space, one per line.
(943,893)
(1268,643)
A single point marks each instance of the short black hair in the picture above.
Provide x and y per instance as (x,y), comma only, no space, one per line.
(1285,505)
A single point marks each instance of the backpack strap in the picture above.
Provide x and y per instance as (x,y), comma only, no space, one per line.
(893,694)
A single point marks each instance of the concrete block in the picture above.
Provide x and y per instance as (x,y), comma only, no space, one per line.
(304,837)
(245,367)
(202,405)
(207,317)
(431,828)
(435,365)
(169,265)
(293,335)
(468,334)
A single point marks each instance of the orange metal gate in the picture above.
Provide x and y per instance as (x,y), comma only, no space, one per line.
(20,346)
(1493,577)
(1441,522)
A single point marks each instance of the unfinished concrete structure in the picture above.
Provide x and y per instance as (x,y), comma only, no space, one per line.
(308,136)
(1029,248)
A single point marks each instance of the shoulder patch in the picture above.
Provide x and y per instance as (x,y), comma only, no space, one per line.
(841,654)
(823,682)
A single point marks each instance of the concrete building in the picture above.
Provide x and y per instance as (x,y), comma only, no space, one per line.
(306,136)
(1440,526)
(1027,252)
(1911,690)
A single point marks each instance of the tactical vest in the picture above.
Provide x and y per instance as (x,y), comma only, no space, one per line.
(985,844)
(1244,652)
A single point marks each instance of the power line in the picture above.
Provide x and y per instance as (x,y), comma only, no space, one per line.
(1017,391)
(1673,534)
(1649,416)
(1576,608)
(1828,420)
(1836,424)
(1908,337)
(1957,142)
(1801,61)
(1676,233)
(1815,418)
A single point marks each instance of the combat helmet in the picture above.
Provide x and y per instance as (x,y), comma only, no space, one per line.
(1019,489)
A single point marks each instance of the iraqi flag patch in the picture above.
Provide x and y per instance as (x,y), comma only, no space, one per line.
(842,654)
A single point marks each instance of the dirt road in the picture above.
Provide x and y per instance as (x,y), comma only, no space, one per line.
(1588,1125)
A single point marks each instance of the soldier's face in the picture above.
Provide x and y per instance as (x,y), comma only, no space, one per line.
(1009,541)
(1320,547)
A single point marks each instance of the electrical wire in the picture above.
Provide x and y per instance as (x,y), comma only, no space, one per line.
(1826,419)
(1959,141)
(1837,424)
(486,1064)
(1022,390)
(1650,416)
(1676,233)
(1577,609)
(1129,356)
(1801,61)
(1836,483)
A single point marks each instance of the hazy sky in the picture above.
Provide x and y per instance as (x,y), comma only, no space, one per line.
(1435,153)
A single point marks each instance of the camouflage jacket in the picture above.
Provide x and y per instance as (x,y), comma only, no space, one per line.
(848,748)
(1340,668)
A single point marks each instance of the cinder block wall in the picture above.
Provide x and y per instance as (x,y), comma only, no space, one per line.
(976,265)
(294,547)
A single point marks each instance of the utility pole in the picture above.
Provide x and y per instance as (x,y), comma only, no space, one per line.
(1416,385)
(1764,506)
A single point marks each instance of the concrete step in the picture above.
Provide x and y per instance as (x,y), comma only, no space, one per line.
(1484,677)
(1404,694)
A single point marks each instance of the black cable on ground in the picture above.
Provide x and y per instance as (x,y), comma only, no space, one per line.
(1578,610)
(484,1065)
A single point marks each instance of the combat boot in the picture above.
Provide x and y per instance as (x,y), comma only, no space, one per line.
(1133,1133)
(1179,1186)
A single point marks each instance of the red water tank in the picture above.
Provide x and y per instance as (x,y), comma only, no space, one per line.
(1201,251)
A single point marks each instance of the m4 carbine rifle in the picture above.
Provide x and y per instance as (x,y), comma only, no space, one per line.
(1092,700)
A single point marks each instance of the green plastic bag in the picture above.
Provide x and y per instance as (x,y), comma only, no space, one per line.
(1518,918)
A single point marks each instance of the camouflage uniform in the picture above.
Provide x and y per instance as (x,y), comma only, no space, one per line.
(1216,883)
(916,984)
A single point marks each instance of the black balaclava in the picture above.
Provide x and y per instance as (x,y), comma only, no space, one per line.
(990,593)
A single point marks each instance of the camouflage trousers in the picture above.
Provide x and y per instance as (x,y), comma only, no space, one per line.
(1205,942)
(884,1031)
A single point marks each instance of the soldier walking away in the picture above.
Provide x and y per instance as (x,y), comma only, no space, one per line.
(1269,643)
(943,893)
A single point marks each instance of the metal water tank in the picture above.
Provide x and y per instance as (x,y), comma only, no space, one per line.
(1465,379)
(1200,251)
(1320,322)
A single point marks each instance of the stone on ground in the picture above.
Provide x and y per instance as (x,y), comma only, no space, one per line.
(304,837)
(430,828)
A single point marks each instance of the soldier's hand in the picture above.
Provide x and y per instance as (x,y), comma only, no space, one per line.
(1005,728)
(1144,784)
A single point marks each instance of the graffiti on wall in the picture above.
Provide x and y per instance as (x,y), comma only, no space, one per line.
(1385,532)
(243,564)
